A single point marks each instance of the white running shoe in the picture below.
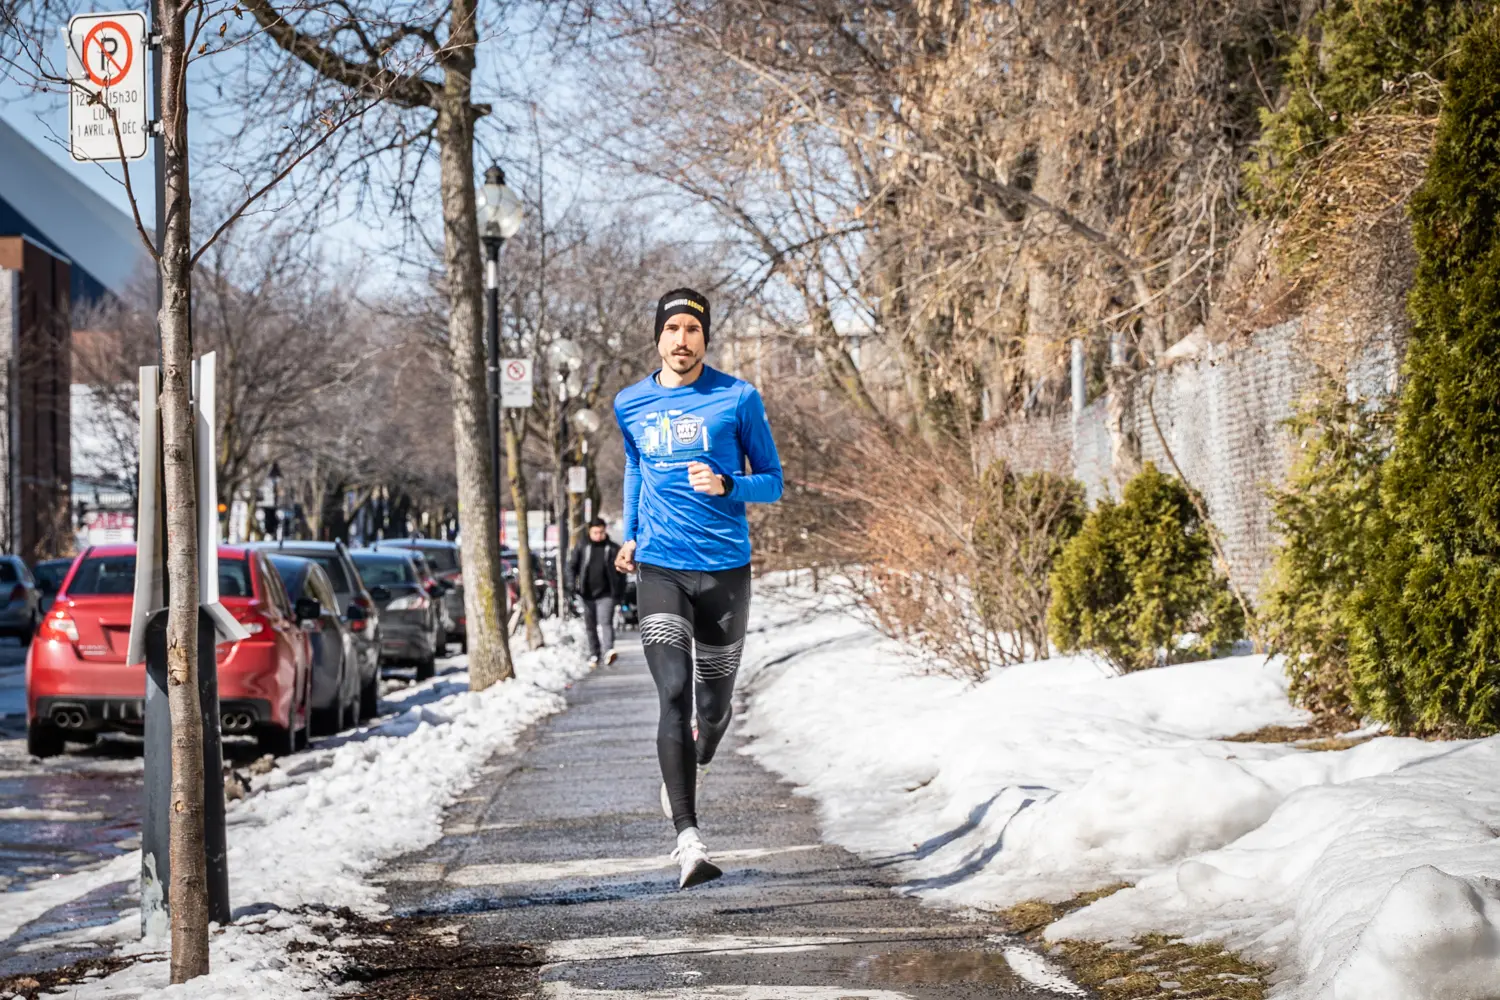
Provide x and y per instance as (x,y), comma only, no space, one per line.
(611,657)
(692,857)
(593,662)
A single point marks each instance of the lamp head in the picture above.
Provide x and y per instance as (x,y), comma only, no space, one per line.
(500,211)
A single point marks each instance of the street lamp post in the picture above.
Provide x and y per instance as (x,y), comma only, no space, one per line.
(499,219)
(275,478)
(565,360)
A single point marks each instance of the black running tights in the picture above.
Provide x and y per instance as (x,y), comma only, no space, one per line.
(681,610)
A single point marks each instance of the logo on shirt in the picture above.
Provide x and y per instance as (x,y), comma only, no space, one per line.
(687,429)
(673,435)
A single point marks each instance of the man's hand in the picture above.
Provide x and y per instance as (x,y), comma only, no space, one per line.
(705,479)
(625,558)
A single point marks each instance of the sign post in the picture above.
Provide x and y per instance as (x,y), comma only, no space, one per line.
(107,70)
(515,383)
(148,646)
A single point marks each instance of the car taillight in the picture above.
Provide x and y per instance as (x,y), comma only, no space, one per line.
(411,602)
(18,592)
(255,623)
(59,627)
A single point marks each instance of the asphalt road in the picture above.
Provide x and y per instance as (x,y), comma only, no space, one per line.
(562,846)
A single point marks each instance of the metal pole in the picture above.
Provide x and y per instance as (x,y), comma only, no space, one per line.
(215,837)
(560,499)
(156,873)
(492,323)
(1080,397)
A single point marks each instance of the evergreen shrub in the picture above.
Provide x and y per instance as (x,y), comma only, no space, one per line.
(1357,52)
(1333,529)
(1137,584)
(1425,644)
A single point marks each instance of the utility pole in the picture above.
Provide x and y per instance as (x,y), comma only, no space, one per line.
(499,220)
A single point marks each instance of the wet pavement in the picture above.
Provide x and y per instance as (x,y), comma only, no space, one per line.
(58,816)
(562,846)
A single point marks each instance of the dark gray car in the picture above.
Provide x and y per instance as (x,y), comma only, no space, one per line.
(335,666)
(20,600)
(49,574)
(356,608)
(410,619)
(445,560)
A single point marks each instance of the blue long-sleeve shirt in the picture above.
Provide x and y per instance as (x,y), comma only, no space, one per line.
(718,420)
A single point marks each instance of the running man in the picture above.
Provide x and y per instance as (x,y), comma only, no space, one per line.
(690,432)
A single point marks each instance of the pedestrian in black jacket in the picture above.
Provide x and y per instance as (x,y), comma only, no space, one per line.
(599,587)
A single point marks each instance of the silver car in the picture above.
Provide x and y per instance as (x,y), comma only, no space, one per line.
(21,612)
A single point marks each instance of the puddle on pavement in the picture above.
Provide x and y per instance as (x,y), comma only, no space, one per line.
(473,901)
(77,817)
(99,908)
(975,967)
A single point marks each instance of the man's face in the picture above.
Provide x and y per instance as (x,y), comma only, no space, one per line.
(596,534)
(681,345)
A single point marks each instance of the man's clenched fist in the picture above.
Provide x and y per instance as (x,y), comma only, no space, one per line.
(705,479)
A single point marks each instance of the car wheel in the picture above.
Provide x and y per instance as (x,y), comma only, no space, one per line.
(325,721)
(43,739)
(427,669)
(463,643)
(278,741)
(26,633)
(369,698)
(303,738)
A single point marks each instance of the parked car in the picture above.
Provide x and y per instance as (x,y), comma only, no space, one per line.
(409,616)
(437,590)
(21,610)
(445,559)
(49,574)
(77,683)
(356,609)
(335,663)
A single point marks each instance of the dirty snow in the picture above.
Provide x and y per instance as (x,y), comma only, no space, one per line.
(1362,873)
(316,826)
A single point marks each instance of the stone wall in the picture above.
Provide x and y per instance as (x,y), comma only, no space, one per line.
(1224,416)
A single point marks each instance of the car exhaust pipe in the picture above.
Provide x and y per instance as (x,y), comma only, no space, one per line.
(236,722)
(68,718)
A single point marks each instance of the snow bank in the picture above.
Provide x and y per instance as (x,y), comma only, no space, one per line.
(323,820)
(1358,874)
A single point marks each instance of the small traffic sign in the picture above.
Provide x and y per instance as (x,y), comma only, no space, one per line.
(107,70)
(578,479)
(515,383)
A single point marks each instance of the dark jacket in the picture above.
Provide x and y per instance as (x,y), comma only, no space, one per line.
(577,563)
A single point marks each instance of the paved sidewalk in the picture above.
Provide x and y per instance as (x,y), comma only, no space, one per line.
(562,846)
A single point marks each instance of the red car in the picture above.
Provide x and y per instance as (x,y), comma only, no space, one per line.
(77,683)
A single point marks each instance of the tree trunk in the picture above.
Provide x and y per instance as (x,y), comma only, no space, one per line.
(188,890)
(484,582)
(516,472)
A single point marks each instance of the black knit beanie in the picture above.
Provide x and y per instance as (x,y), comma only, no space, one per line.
(682,300)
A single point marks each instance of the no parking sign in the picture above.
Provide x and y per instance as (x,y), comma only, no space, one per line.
(107,70)
(515,383)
